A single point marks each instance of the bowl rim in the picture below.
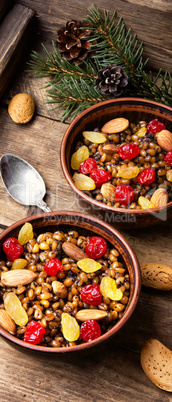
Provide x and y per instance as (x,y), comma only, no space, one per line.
(120,323)
(67,175)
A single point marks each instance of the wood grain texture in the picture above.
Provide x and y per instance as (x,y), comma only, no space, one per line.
(15,35)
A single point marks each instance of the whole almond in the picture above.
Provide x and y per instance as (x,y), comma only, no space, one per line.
(6,322)
(59,289)
(108,192)
(73,251)
(159,197)
(17,277)
(110,149)
(156,361)
(90,314)
(157,276)
(164,139)
(115,125)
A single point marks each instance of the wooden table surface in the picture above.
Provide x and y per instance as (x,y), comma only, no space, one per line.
(112,373)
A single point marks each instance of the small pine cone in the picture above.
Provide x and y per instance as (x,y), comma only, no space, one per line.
(111,81)
(71,41)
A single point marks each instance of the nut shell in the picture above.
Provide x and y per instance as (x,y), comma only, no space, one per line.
(21,108)
(157,276)
(164,139)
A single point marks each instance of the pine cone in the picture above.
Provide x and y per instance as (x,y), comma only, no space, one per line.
(71,41)
(111,81)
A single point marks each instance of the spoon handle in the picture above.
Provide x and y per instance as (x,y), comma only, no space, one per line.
(41,204)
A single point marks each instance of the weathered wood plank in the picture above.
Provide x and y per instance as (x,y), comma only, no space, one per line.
(5,5)
(15,34)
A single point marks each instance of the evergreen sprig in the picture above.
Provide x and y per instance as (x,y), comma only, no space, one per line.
(72,87)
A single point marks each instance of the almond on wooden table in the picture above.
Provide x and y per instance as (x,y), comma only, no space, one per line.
(157,276)
(6,322)
(73,251)
(17,277)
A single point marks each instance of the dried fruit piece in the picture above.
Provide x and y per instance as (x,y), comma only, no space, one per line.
(17,277)
(19,263)
(53,266)
(164,139)
(89,265)
(109,289)
(124,194)
(6,322)
(147,176)
(59,289)
(94,136)
(90,330)
(156,361)
(159,197)
(154,126)
(100,176)
(26,233)
(157,276)
(79,156)
(110,149)
(15,310)
(142,132)
(108,192)
(90,314)
(87,166)
(70,327)
(95,247)
(145,203)
(128,172)
(128,151)
(168,158)
(73,251)
(115,125)
(34,333)
(90,294)
(12,248)
(169,175)
(83,182)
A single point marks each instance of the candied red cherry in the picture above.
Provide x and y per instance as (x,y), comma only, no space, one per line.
(124,194)
(34,333)
(12,248)
(128,151)
(90,330)
(147,176)
(90,294)
(87,166)
(168,157)
(100,176)
(95,247)
(155,126)
(53,266)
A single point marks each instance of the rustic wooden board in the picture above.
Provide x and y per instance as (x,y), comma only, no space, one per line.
(5,6)
(15,34)
(150,21)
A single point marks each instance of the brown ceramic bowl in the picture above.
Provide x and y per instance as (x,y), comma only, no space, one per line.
(86,225)
(134,109)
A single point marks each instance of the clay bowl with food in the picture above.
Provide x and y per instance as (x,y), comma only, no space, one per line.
(129,140)
(73,279)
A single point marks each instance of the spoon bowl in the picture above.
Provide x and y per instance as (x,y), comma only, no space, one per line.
(23,182)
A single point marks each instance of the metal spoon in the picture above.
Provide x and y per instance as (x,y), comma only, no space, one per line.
(23,182)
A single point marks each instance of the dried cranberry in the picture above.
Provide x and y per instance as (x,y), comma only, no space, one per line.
(87,166)
(147,176)
(12,248)
(95,247)
(34,333)
(155,126)
(90,330)
(124,194)
(90,294)
(100,176)
(168,158)
(53,266)
(128,151)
